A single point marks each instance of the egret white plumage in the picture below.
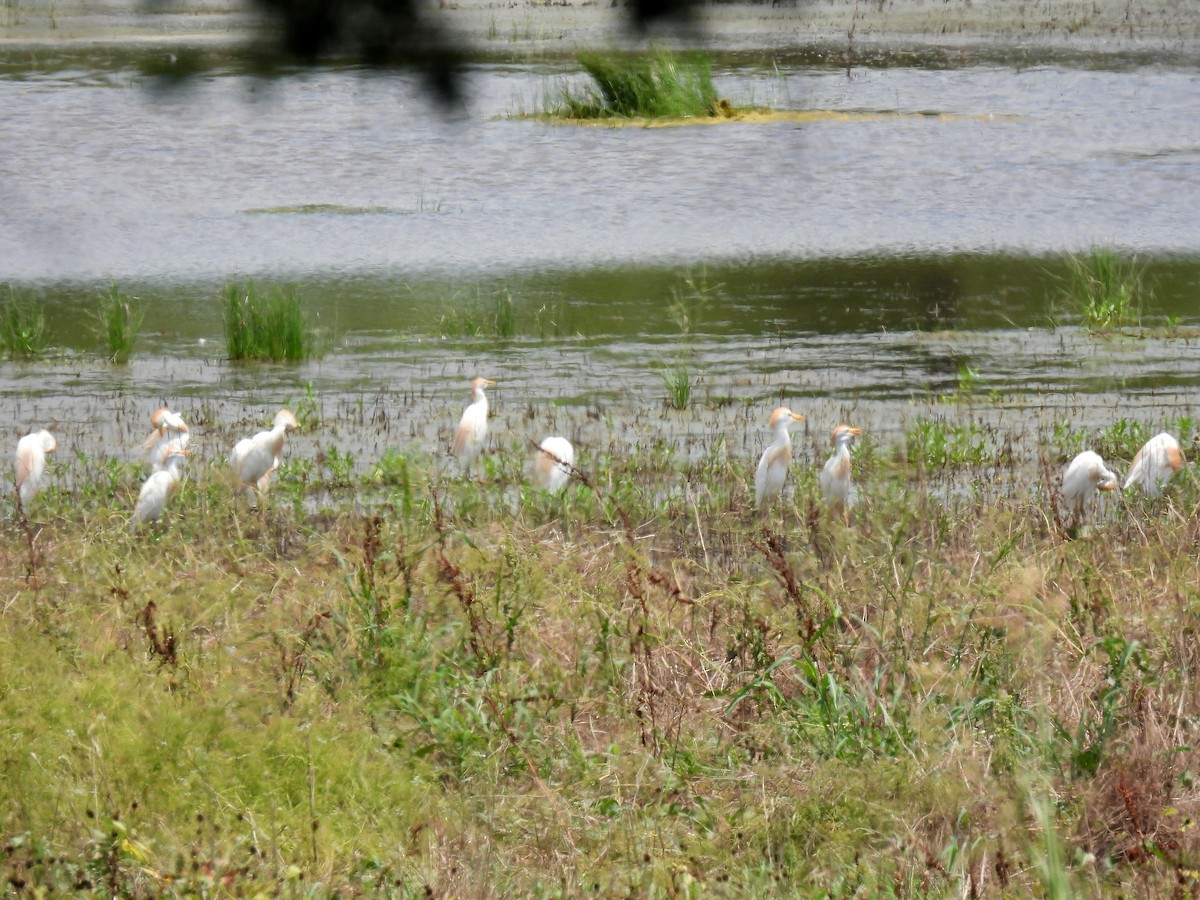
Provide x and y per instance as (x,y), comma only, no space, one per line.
(473,427)
(835,476)
(1086,475)
(552,464)
(30,464)
(170,433)
(1159,459)
(159,487)
(776,459)
(254,459)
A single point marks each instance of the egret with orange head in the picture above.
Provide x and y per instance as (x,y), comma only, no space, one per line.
(836,485)
(776,459)
(254,459)
(472,429)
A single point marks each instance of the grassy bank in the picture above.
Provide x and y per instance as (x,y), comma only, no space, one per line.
(392,682)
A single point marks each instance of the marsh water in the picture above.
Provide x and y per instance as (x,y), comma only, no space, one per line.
(868,266)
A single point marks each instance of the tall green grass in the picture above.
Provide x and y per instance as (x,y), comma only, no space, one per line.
(118,319)
(663,85)
(23,330)
(266,326)
(1106,290)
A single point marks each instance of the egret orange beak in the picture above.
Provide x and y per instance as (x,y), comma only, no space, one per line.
(798,417)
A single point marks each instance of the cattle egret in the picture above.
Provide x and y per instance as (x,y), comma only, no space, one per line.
(776,460)
(552,464)
(170,433)
(472,429)
(835,476)
(159,487)
(31,464)
(1159,459)
(1086,475)
(254,459)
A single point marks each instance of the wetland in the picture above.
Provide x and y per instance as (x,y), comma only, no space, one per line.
(387,680)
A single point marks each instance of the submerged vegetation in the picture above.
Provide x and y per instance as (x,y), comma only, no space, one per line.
(267,326)
(388,681)
(661,85)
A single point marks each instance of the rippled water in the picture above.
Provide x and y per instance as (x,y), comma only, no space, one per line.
(868,270)
(103,178)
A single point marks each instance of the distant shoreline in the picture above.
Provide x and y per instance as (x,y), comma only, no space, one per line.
(1169,27)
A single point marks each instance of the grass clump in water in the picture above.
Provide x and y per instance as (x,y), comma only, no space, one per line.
(23,331)
(486,316)
(269,326)
(1106,290)
(663,85)
(117,322)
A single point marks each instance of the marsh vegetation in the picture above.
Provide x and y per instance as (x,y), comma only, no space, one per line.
(662,84)
(397,681)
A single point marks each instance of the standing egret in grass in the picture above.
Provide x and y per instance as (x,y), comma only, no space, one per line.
(835,476)
(31,463)
(254,459)
(473,427)
(776,459)
(1159,459)
(552,464)
(159,487)
(170,433)
(1086,475)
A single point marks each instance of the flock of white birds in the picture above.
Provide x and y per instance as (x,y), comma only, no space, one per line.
(254,459)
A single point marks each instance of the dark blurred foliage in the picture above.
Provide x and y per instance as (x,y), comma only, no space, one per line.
(381,34)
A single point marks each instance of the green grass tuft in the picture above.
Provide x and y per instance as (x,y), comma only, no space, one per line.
(269,326)
(663,85)
(1106,290)
(117,322)
(23,331)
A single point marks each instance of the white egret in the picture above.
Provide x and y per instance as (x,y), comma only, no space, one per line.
(776,459)
(254,459)
(170,433)
(835,476)
(473,427)
(552,464)
(159,487)
(31,463)
(1159,459)
(1086,475)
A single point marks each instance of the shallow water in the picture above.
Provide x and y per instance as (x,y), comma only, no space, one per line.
(880,271)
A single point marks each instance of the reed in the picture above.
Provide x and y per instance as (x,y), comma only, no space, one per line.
(118,319)
(23,330)
(266,326)
(662,85)
(1106,290)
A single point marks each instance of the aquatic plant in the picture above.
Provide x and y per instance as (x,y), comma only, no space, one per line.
(690,295)
(117,322)
(1106,290)
(23,330)
(677,379)
(663,84)
(266,326)
(485,315)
